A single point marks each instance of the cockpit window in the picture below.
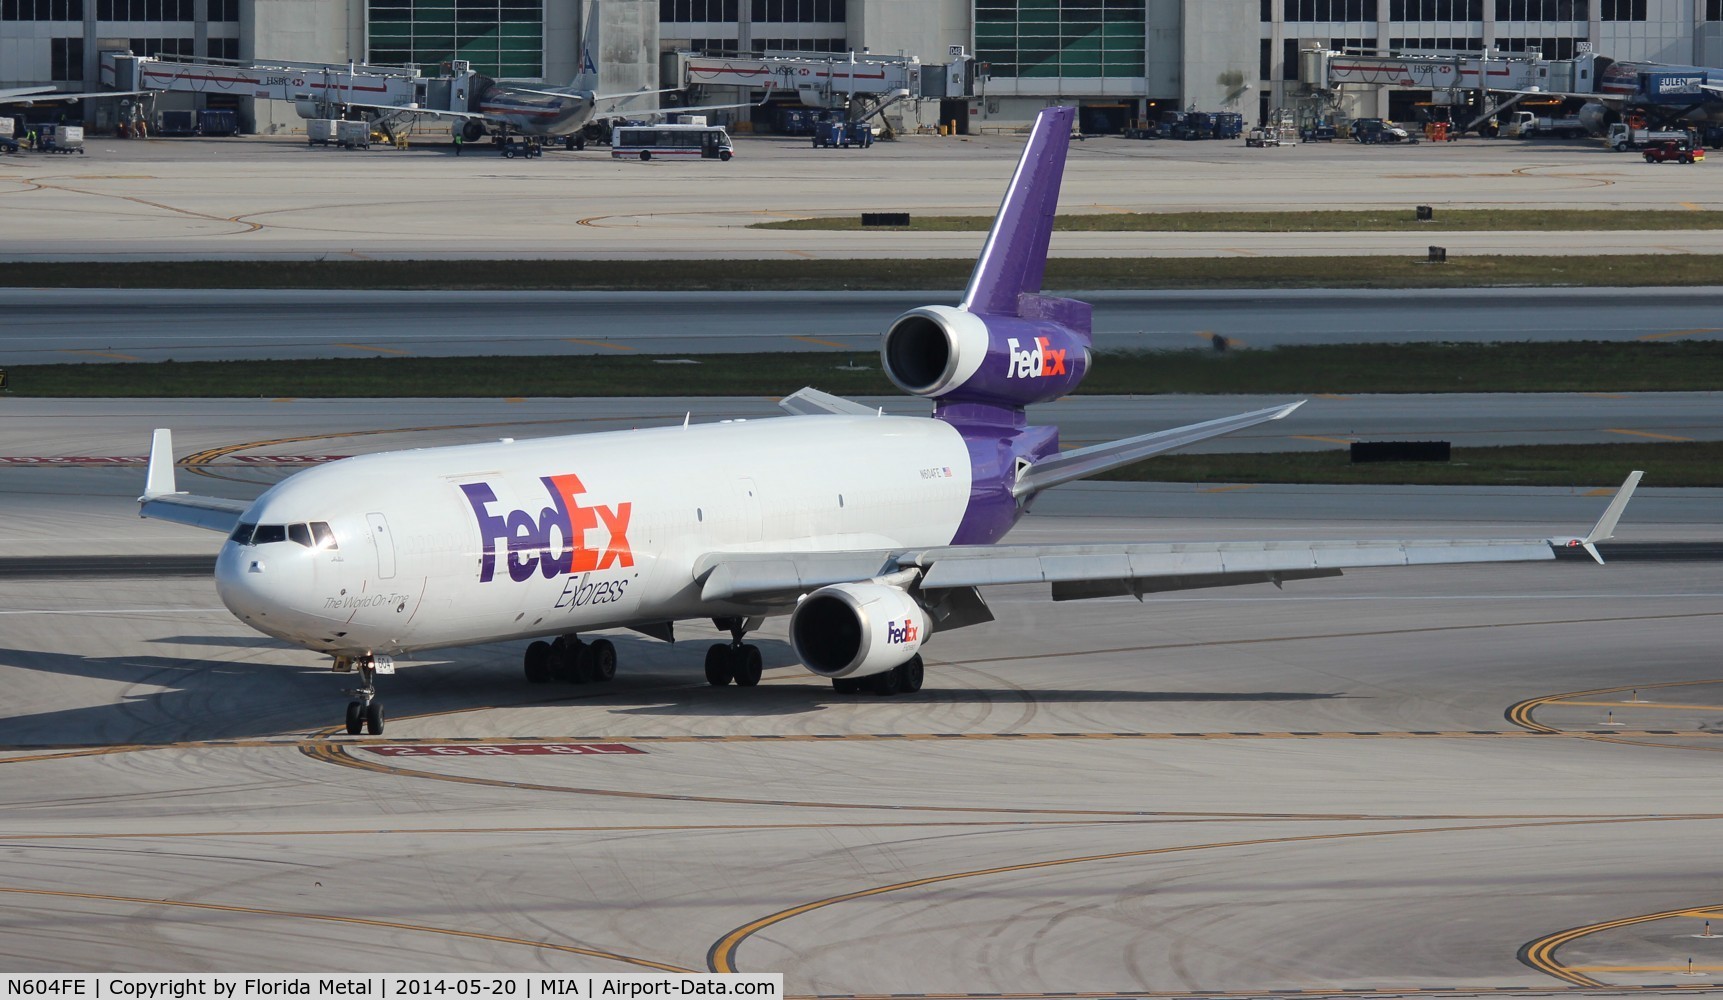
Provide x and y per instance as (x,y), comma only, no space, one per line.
(325,539)
(300,534)
(267,533)
(242,534)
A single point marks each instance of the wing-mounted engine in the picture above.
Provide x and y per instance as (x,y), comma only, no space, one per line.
(857,629)
(1041,352)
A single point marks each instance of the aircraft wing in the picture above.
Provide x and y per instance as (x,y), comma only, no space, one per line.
(1081,571)
(54,96)
(162,502)
(808,401)
(408,109)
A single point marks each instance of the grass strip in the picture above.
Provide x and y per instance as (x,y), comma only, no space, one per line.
(1446,220)
(937,275)
(1695,463)
(1679,365)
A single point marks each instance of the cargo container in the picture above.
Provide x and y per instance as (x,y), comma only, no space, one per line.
(353,135)
(218,121)
(320,131)
(176,123)
(61,139)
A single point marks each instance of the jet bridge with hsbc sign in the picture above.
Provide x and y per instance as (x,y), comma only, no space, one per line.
(317,90)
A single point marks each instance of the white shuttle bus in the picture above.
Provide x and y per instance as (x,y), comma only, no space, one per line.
(678,142)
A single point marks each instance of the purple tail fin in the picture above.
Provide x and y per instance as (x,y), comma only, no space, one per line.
(1015,257)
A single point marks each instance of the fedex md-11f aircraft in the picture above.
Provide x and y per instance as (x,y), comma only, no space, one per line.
(873,533)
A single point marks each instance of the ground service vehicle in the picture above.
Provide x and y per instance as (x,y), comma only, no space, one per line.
(1526,125)
(1623,137)
(678,142)
(1320,132)
(1374,130)
(1674,151)
(844,134)
(1262,137)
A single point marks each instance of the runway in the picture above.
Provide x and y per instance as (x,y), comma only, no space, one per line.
(61,325)
(275,198)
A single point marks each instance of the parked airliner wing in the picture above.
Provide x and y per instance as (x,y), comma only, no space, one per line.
(1077,572)
(163,502)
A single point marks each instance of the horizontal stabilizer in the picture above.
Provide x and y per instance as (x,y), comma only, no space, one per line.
(810,401)
(1095,459)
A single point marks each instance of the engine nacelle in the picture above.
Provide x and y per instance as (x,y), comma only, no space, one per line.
(857,629)
(959,356)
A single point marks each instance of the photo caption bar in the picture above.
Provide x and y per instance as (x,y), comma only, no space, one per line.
(391,986)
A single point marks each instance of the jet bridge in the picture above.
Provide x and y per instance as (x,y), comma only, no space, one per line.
(861,84)
(317,90)
(1503,79)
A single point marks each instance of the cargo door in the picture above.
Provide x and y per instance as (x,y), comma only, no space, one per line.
(385,544)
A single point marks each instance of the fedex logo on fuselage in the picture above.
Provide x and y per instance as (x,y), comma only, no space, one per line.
(553,542)
(899,634)
(1036,363)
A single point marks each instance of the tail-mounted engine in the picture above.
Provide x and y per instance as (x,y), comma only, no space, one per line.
(857,629)
(959,356)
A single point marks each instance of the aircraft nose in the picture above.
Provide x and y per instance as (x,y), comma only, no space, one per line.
(265,586)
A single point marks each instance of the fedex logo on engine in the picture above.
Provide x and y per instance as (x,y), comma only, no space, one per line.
(1040,361)
(553,542)
(897,634)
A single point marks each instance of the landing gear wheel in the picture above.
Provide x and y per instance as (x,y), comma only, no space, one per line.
(603,660)
(845,685)
(374,718)
(565,654)
(537,662)
(579,142)
(581,671)
(888,683)
(747,666)
(718,667)
(912,675)
(355,717)
(645,154)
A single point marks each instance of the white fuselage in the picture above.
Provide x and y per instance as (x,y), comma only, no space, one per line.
(513,539)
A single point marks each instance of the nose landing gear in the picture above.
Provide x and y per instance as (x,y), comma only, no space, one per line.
(365,712)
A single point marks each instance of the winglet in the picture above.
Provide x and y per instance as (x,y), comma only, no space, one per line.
(1014,258)
(160,481)
(1604,529)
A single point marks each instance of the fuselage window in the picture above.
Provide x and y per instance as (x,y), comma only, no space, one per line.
(699,515)
(267,533)
(242,534)
(299,533)
(325,539)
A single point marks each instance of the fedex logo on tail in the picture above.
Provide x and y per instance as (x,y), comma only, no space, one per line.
(898,634)
(1036,363)
(554,541)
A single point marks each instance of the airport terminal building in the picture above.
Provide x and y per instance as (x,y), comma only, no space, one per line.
(1118,59)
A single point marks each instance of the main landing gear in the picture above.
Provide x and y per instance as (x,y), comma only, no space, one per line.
(365,712)
(905,678)
(735,660)
(569,660)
